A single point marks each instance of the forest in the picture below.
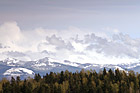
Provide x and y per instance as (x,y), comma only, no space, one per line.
(85,81)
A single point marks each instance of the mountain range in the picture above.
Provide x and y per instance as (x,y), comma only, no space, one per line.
(14,67)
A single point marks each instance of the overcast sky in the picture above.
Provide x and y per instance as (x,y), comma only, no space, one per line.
(95,31)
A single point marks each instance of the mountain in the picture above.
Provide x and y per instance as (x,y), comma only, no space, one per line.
(14,67)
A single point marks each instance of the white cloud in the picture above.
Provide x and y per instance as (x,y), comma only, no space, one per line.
(71,44)
(14,54)
(9,33)
(11,36)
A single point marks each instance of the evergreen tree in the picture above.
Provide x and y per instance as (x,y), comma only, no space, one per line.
(37,77)
(78,82)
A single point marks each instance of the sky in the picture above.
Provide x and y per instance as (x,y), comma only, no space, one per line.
(84,31)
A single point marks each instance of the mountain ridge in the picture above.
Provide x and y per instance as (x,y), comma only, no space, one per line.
(15,67)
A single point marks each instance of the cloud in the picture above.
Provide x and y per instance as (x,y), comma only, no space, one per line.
(121,45)
(3,46)
(71,44)
(14,54)
(126,39)
(58,42)
(94,48)
(9,33)
(11,36)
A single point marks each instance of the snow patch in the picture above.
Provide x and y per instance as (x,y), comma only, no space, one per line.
(119,68)
(87,66)
(41,64)
(18,71)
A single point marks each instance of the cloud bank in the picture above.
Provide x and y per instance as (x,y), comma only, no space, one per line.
(71,44)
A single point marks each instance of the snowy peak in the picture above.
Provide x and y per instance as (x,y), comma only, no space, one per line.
(10,61)
(14,67)
(18,72)
(44,60)
(66,62)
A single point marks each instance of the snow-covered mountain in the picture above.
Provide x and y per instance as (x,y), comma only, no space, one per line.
(14,67)
(17,71)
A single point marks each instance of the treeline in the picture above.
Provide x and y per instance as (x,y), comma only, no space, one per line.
(79,82)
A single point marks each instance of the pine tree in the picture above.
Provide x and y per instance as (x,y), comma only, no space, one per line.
(37,77)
